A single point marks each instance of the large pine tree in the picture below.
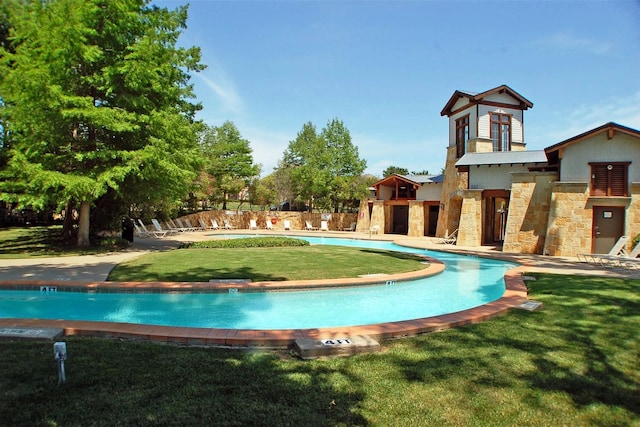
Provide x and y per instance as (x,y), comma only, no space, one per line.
(96,101)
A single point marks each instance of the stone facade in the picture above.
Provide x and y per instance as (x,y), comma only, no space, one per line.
(570,217)
(528,212)
(470,228)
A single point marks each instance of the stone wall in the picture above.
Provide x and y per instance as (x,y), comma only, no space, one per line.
(570,220)
(416,218)
(240,219)
(528,217)
(449,216)
(470,227)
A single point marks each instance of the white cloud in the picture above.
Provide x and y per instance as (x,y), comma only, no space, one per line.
(223,89)
(267,145)
(571,41)
(621,110)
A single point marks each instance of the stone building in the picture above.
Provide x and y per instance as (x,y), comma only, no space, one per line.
(576,196)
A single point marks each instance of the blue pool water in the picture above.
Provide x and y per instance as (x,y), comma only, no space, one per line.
(467,282)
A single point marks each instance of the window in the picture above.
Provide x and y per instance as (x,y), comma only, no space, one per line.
(501,131)
(462,135)
(609,179)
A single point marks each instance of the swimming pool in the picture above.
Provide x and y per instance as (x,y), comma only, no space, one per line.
(467,282)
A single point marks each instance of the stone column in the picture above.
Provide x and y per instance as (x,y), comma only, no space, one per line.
(470,228)
(528,212)
(570,220)
(416,218)
(378,216)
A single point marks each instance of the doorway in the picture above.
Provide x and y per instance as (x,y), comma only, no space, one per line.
(608,226)
(495,221)
(400,219)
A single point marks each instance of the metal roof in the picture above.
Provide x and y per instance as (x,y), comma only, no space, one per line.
(424,179)
(502,158)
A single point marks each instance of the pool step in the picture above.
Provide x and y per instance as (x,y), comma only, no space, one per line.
(308,348)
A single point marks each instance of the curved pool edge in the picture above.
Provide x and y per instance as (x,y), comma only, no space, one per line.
(515,293)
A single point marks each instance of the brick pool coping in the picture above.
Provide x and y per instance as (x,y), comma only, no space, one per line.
(515,293)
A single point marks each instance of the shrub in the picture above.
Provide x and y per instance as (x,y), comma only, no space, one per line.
(248,242)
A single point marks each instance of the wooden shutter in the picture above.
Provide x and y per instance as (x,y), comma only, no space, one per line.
(599,180)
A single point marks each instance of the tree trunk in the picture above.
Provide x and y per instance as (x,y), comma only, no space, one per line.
(83,225)
(67,226)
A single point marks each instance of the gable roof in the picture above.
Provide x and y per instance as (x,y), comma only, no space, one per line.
(611,128)
(415,180)
(474,98)
(502,158)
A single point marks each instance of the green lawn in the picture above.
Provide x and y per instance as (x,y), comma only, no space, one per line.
(27,242)
(264,264)
(575,362)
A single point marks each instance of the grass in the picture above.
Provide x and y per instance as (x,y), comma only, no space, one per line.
(27,242)
(574,362)
(263,264)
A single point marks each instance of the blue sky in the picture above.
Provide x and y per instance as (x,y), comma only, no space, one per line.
(387,68)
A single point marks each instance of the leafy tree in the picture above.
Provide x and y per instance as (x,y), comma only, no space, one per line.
(96,101)
(423,172)
(262,192)
(325,167)
(394,170)
(229,161)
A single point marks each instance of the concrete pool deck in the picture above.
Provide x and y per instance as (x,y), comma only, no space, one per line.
(93,269)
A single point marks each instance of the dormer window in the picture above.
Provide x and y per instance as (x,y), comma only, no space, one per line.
(501,131)
(609,179)
(462,135)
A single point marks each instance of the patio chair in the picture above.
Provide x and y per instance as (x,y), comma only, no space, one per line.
(624,260)
(150,233)
(161,231)
(203,225)
(228,226)
(268,225)
(449,239)
(190,226)
(253,225)
(214,225)
(173,226)
(324,226)
(140,231)
(374,229)
(287,224)
(352,227)
(309,226)
(616,250)
(183,226)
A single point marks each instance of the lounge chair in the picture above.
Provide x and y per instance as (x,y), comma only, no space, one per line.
(203,225)
(228,226)
(616,250)
(269,225)
(214,225)
(141,232)
(287,224)
(184,227)
(309,226)
(324,226)
(374,229)
(352,227)
(151,233)
(161,231)
(253,225)
(449,239)
(625,260)
(191,226)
